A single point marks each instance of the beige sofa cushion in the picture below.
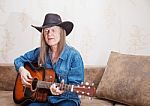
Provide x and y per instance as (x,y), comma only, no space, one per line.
(6,98)
(126,79)
(95,102)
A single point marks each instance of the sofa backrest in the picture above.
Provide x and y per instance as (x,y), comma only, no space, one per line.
(7,76)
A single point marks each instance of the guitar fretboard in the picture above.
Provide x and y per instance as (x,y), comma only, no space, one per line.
(47,85)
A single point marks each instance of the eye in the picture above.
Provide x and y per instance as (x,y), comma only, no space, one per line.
(45,30)
(53,30)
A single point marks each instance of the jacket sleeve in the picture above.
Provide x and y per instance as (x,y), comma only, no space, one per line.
(31,56)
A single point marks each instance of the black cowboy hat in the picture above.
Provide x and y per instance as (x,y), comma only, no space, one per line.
(55,20)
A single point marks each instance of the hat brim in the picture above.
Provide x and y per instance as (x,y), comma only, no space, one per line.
(66,25)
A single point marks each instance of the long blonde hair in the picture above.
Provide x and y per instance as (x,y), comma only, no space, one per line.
(45,47)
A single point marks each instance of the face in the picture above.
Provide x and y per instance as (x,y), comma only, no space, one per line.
(52,35)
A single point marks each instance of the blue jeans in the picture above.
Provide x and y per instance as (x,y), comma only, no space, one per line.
(63,103)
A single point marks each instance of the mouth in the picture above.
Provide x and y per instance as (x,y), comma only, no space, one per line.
(50,38)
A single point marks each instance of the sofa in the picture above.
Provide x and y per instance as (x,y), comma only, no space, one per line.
(124,81)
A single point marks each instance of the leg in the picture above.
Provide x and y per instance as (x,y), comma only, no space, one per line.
(41,104)
(67,103)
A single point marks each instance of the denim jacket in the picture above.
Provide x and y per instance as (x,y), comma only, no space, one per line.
(69,67)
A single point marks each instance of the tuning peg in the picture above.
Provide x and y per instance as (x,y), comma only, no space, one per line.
(77,91)
(83,93)
(89,87)
(88,94)
(92,84)
(86,83)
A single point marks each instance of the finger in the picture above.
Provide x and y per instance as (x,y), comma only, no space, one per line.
(61,92)
(58,91)
(53,91)
(61,84)
(53,88)
(62,81)
(29,75)
(24,82)
(54,85)
(26,78)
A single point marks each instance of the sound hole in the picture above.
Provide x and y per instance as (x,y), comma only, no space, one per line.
(34,84)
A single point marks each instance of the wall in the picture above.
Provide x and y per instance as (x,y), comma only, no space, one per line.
(101,26)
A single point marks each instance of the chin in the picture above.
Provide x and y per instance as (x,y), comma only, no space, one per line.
(52,44)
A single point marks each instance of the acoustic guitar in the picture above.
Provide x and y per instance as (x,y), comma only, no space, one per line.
(40,84)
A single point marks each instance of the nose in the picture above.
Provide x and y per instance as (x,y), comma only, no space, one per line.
(49,32)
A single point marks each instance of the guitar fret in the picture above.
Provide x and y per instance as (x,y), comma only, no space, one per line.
(69,87)
(43,84)
(65,86)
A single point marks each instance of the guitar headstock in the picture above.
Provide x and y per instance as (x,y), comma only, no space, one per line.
(85,89)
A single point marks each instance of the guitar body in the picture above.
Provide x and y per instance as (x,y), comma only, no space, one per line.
(25,95)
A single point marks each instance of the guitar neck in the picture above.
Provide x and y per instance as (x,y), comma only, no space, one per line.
(47,85)
(86,90)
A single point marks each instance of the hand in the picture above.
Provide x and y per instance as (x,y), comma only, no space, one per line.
(55,90)
(25,76)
